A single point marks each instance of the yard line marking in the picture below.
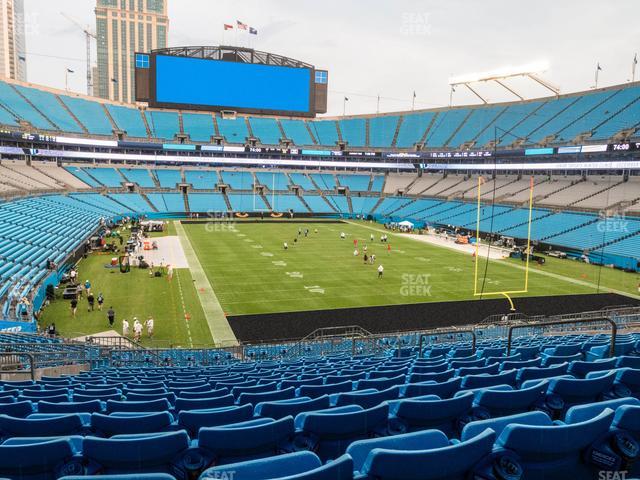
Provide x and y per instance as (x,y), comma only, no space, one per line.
(184,309)
(221,331)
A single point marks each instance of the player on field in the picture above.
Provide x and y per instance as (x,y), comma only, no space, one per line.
(380,271)
(149,324)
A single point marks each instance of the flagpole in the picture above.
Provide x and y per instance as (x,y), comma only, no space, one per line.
(597,73)
(344,106)
(633,67)
(413,101)
(378,105)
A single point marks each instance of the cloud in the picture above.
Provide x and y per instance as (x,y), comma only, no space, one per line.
(384,47)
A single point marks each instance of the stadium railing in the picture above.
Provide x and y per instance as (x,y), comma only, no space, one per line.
(543,325)
(351,341)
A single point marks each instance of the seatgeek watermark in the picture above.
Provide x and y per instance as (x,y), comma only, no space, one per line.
(222,475)
(29,22)
(415,24)
(218,221)
(415,285)
(617,223)
(608,475)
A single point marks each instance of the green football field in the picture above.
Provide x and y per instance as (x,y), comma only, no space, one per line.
(251,272)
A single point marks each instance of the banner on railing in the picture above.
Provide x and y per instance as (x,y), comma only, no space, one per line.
(17,327)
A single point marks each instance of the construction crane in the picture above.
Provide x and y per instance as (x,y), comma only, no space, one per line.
(88,35)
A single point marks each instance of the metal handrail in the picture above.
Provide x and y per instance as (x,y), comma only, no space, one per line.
(446,332)
(330,332)
(32,367)
(614,330)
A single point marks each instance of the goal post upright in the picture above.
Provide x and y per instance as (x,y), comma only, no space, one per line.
(504,293)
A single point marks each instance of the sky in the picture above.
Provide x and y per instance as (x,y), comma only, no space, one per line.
(385,48)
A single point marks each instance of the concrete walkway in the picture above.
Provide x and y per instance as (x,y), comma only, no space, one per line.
(221,331)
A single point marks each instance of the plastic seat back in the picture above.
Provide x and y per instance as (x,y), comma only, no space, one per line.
(194,420)
(451,462)
(554,452)
(282,408)
(150,453)
(247,440)
(447,415)
(110,425)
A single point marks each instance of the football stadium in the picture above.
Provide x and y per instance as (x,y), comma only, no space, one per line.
(211,267)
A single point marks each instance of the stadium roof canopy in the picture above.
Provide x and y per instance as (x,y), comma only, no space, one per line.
(233,54)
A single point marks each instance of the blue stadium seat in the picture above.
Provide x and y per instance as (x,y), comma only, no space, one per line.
(366,398)
(420,413)
(580,369)
(554,452)
(159,405)
(194,420)
(70,407)
(268,396)
(282,408)
(36,461)
(140,453)
(128,120)
(628,382)
(580,413)
(576,391)
(444,389)
(536,373)
(431,377)
(314,391)
(507,402)
(486,380)
(329,432)
(380,383)
(124,424)
(203,403)
(498,424)
(426,455)
(17,409)
(293,466)
(247,440)
(125,476)
(69,424)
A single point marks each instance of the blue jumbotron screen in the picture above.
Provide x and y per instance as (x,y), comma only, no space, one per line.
(216,83)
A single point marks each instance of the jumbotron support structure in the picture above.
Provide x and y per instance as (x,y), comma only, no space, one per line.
(531,71)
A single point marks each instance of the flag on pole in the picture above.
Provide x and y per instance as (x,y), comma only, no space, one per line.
(635,59)
(414,94)
(228,27)
(70,71)
(346,99)
(253,31)
(241,26)
(599,67)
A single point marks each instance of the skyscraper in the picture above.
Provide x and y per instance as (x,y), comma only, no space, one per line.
(13,62)
(122,28)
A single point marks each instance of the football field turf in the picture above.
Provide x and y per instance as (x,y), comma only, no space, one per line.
(251,273)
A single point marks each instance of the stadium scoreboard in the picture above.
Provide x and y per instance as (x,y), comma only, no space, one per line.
(229,79)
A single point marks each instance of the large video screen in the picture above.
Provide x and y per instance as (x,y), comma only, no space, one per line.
(216,84)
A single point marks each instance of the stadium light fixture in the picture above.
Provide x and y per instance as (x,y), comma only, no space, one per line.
(531,71)
(503,72)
